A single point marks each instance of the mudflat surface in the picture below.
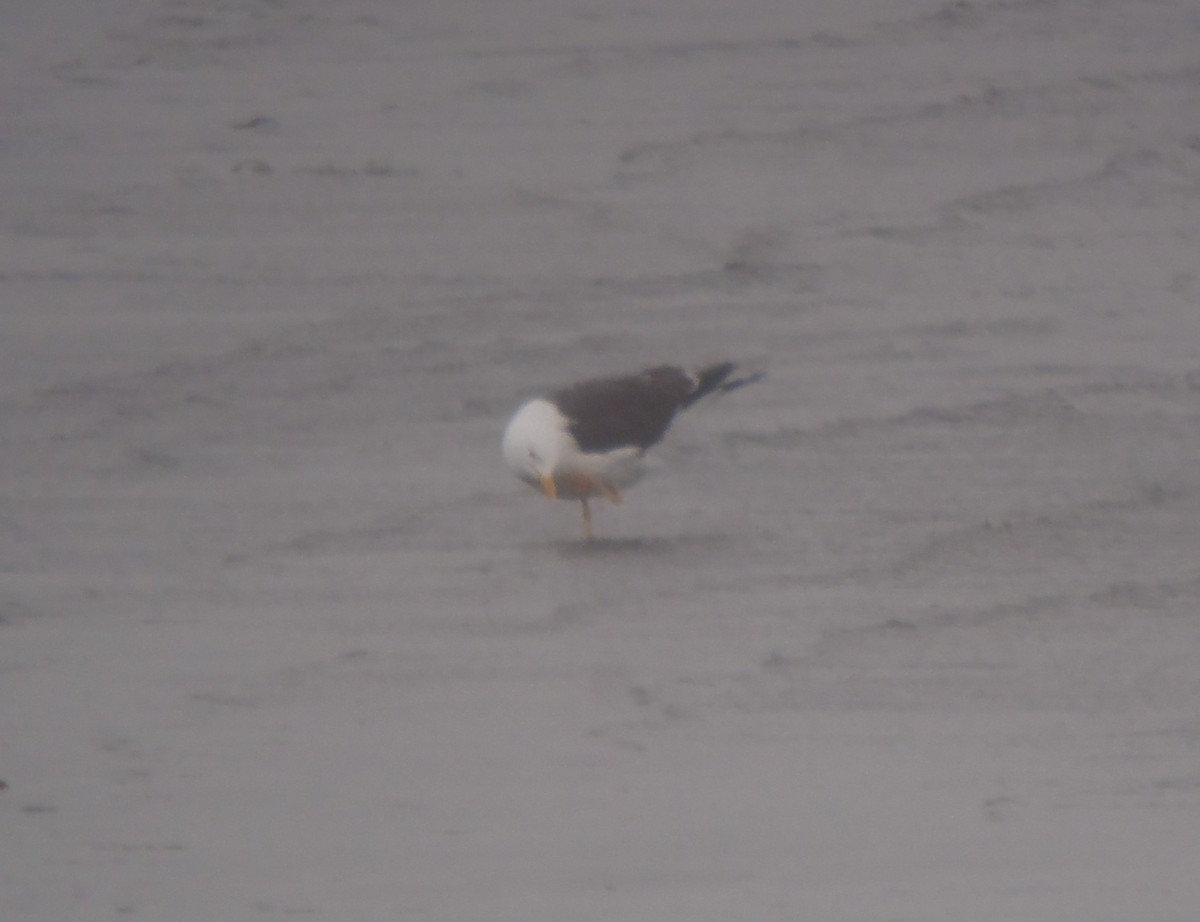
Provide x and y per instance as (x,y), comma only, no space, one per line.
(907,631)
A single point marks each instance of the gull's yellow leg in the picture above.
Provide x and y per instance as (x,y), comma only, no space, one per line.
(587,520)
(610,492)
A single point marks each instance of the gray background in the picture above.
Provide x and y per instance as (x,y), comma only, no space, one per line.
(908,631)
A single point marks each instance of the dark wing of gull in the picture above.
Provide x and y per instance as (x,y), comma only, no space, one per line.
(636,410)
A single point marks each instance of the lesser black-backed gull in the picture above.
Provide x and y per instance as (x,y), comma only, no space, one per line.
(590,439)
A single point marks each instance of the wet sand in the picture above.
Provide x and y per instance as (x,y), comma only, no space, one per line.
(908,630)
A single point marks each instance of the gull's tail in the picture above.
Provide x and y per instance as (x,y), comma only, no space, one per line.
(719,379)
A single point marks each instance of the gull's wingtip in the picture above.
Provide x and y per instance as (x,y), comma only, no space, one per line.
(721,378)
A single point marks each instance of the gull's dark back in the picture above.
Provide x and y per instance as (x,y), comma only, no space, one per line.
(637,410)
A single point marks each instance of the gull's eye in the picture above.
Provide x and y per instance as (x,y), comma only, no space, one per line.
(535,457)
